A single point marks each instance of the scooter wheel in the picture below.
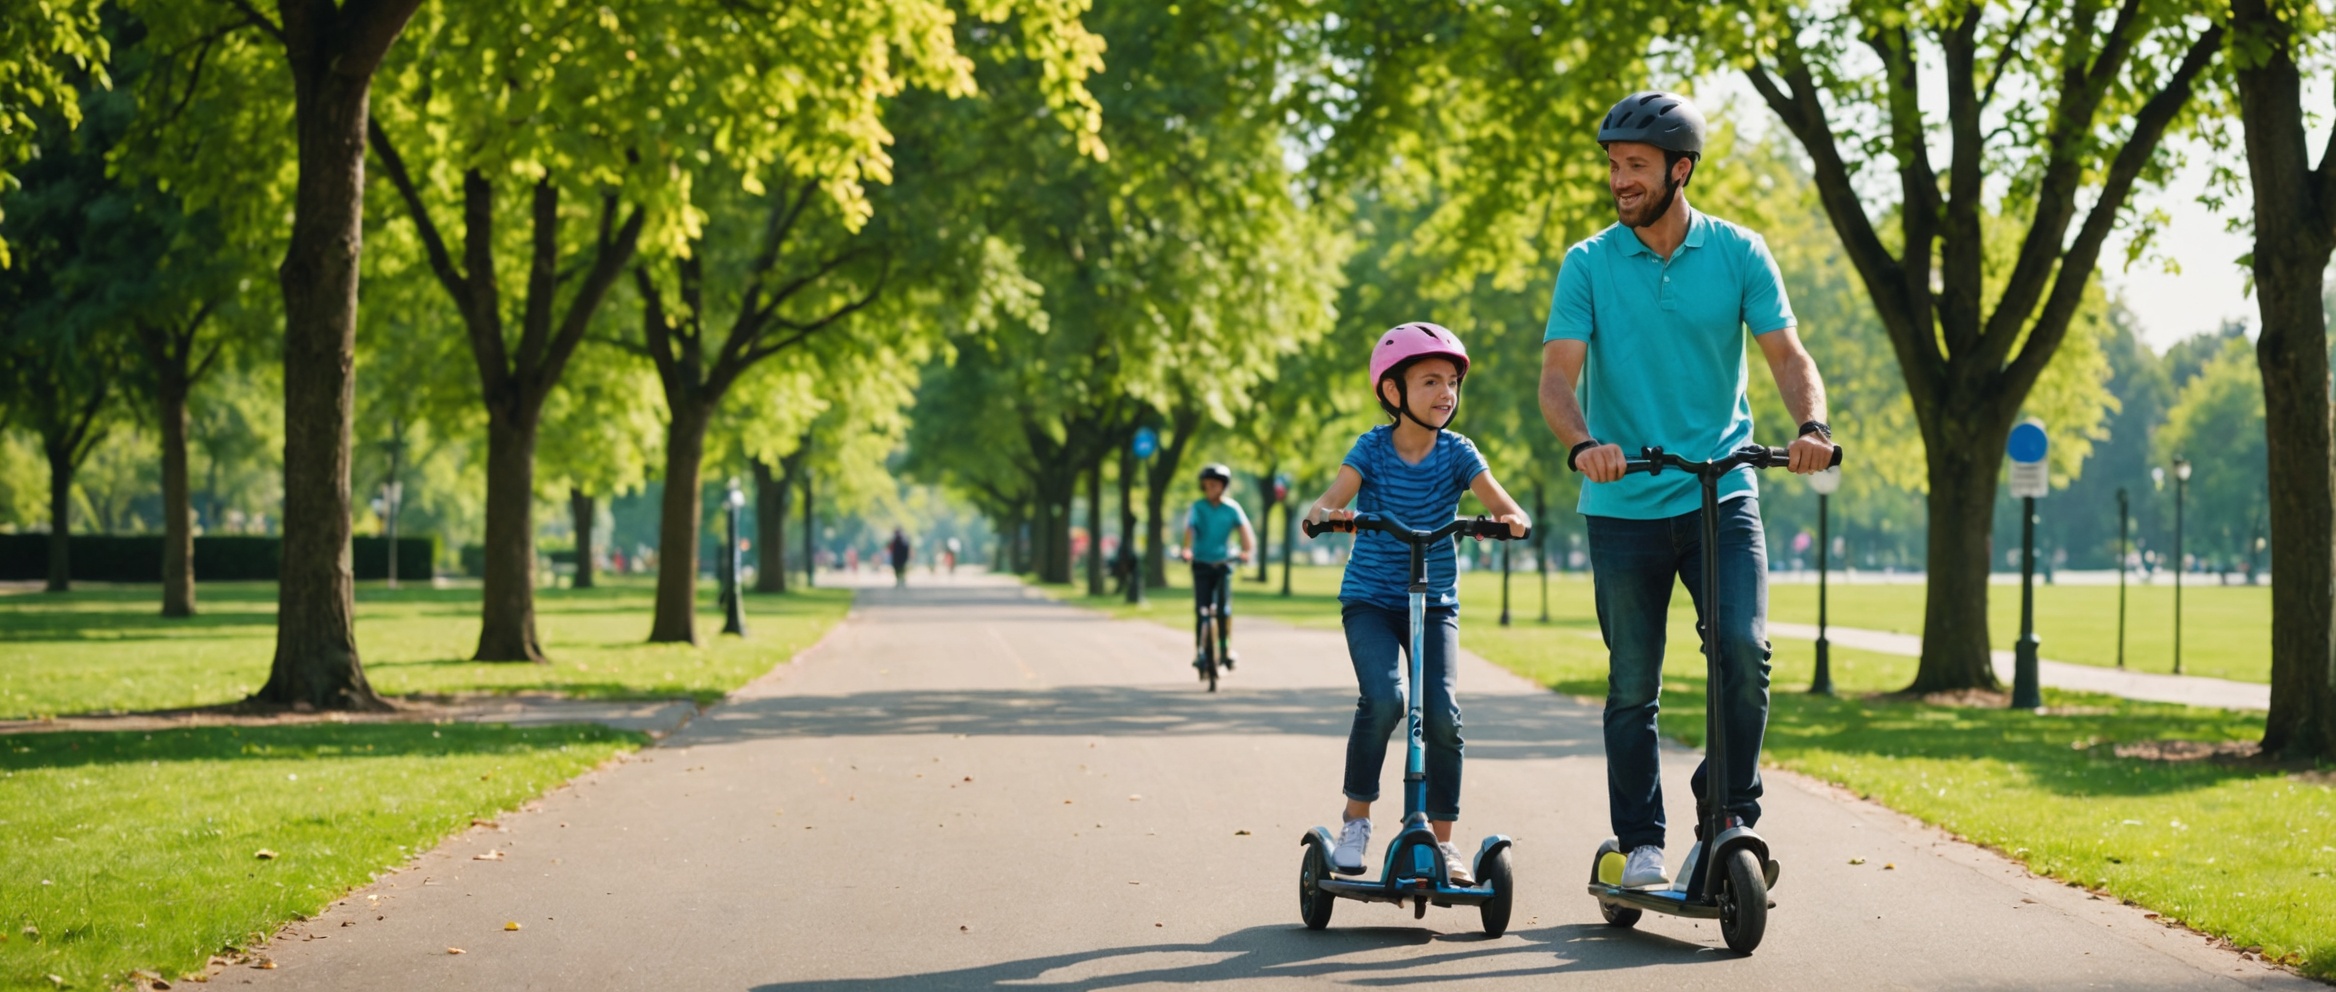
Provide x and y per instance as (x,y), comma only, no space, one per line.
(1313,901)
(1495,873)
(1744,902)
(1620,916)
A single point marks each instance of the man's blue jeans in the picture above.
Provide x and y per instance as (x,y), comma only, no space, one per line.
(1636,563)
(1377,640)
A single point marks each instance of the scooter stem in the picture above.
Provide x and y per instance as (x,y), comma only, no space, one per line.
(1415,778)
(1715,745)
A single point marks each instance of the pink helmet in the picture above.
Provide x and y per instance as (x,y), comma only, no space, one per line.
(1415,340)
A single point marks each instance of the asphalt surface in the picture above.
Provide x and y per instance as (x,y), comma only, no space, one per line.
(968,787)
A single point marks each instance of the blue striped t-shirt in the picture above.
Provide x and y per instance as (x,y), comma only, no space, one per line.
(1423,497)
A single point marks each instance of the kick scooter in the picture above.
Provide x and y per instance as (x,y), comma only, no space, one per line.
(1415,870)
(1736,891)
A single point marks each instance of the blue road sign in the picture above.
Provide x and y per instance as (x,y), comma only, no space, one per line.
(2027,443)
(1147,441)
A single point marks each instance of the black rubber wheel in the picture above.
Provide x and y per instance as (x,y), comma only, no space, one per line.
(1313,902)
(1744,902)
(1496,874)
(1620,916)
(1208,649)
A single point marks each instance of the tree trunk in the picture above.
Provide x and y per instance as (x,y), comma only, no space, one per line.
(1955,650)
(1265,521)
(60,520)
(2295,232)
(1158,476)
(178,525)
(1128,545)
(677,530)
(507,611)
(771,490)
(810,535)
(582,508)
(316,663)
(2291,354)
(1095,528)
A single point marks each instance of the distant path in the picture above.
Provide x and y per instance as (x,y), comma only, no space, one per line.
(2193,690)
(970,787)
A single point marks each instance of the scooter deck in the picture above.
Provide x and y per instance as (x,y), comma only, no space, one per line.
(1407,890)
(1670,902)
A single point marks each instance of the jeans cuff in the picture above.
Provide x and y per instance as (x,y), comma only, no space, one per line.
(1372,798)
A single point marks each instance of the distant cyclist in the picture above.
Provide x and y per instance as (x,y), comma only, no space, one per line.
(1208,533)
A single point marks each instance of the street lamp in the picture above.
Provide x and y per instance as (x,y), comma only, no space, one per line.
(734,610)
(1825,483)
(2181,483)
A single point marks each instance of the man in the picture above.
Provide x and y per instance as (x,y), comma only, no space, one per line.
(1648,321)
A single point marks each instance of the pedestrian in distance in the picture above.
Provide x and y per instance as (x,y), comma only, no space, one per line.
(1209,528)
(1653,310)
(898,551)
(1411,470)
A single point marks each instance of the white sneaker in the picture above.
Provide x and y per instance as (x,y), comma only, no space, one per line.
(1353,838)
(1645,868)
(1458,867)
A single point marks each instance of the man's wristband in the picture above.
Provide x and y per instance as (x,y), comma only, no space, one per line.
(1577,453)
(1819,428)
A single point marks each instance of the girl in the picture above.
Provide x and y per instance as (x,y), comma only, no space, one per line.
(1410,470)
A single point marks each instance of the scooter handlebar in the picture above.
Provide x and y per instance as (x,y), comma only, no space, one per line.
(1653,461)
(1478,527)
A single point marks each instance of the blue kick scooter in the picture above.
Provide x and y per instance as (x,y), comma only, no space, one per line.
(1728,873)
(1415,870)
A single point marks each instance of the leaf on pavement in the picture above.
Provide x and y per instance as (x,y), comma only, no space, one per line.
(456,950)
(489,856)
(1240,833)
(1857,861)
(511,925)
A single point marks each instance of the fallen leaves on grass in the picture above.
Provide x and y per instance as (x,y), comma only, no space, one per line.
(264,854)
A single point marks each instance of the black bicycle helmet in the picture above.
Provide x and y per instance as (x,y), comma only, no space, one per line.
(1217,472)
(1664,120)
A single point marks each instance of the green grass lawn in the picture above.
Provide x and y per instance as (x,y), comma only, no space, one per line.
(2242,852)
(130,851)
(107,648)
(2226,630)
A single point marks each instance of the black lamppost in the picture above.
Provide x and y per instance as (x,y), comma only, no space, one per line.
(733,606)
(1825,483)
(2123,514)
(2181,483)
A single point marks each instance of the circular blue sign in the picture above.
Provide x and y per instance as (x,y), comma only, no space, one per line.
(2027,442)
(1147,441)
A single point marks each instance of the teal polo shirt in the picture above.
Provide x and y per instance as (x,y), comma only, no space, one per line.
(1666,363)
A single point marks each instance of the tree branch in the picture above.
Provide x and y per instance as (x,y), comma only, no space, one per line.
(252,16)
(607,265)
(535,322)
(484,307)
(1962,270)
(2003,57)
(433,243)
(369,28)
(2149,128)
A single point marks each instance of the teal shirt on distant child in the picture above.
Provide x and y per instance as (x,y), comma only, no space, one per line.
(1666,364)
(1213,526)
(1422,495)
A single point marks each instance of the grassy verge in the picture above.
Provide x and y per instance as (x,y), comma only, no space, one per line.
(104,649)
(2226,629)
(2245,853)
(132,851)
(135,851)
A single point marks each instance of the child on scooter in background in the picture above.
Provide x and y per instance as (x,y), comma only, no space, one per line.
(1411,471)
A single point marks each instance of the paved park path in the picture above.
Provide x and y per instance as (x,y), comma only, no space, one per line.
(968,787)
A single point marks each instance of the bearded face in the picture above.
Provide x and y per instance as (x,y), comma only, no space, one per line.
(1635,176)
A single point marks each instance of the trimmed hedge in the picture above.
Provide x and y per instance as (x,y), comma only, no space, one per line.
(223,558)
